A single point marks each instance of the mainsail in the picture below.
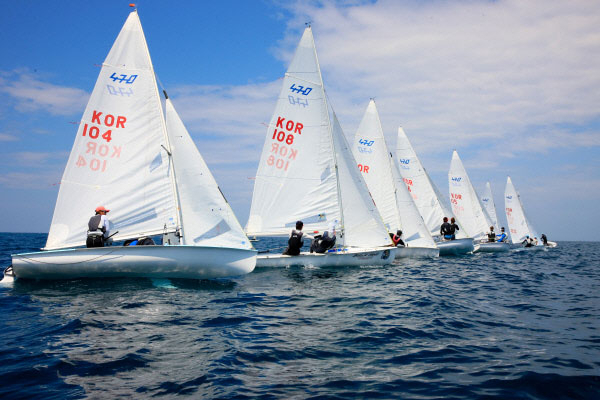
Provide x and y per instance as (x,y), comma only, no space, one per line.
(389,192)
(424,192)
(487,199)
(118,159)
(464,201)
(307,171)
(518,224)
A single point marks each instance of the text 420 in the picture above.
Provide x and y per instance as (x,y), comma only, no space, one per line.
(366,142)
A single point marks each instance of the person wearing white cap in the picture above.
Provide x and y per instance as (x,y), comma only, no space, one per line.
(98,228)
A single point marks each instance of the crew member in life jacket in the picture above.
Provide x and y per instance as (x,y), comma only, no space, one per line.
(397,238)
(295,242)
(544,239)
(323,243)
(502,236)
(528,242)
(98,227)
(491,235)
(446,230)
(455,227)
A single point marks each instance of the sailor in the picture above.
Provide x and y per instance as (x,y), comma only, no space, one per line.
(455,227)
(98,228)
(397,238)
(323,243)
(491,235)
(295,242)
(502,236)
(446,230)
(528,242)
(544,239)
(535,241)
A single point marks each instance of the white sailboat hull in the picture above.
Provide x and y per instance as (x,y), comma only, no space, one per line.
(417,252)
(346,258)
(190,262)
(456,247)
(492,247)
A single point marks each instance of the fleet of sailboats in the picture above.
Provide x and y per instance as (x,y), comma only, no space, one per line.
(468,208)
(428,198)
(394,202)
(133,153)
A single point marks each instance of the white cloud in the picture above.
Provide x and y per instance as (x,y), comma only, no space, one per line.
(455,72)
(32,94)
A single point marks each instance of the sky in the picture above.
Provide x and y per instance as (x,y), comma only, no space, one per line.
(513,86)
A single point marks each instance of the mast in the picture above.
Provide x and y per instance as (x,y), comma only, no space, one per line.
(330,131)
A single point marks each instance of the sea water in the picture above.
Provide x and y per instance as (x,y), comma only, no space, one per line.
(518,325)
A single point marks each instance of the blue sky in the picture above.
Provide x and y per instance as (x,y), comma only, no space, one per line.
(513,86)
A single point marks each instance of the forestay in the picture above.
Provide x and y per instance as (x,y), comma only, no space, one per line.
(487,199)
(425,194)
(464,201)
(518,224)
(206,217)
(389,192)
(118,158)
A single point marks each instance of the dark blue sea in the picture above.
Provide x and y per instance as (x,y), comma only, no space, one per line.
(523,325)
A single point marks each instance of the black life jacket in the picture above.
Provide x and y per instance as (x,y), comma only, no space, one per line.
(295,241)
(446,229)
(94,224)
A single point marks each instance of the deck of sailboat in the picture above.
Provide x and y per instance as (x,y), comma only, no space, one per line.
(456,247)
(191,262)
(346,257)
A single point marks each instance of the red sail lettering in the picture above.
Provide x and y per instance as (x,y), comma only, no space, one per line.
(96,117)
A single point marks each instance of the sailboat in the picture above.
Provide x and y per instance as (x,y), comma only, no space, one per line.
(490,206)
(519,225)
(468,208)
(389,192)
(427,198)
(144,166)
(307,172)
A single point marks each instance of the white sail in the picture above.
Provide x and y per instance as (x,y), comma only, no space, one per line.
(206,217)
(118,159)
(307,171)
(416,233)
(427,197)
(464,201)
(518,224)
(487,199)
(389,192)
(371,154)
(296,177)
(361,223)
